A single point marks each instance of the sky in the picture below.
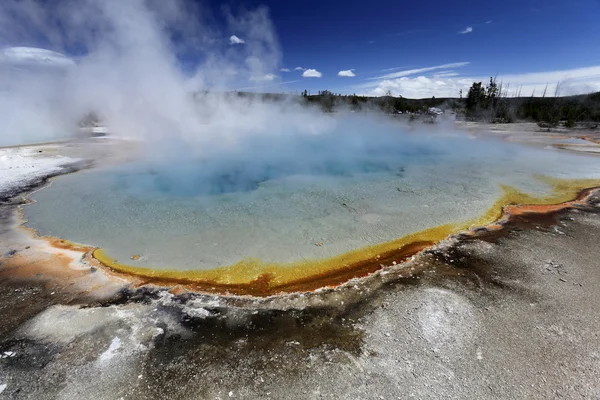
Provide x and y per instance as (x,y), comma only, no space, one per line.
(410,49)
(472,39)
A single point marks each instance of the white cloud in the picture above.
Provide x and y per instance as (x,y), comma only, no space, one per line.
(409,72)
(573,81)
(421,87)
(311,73)
(442,74)
(267,77)
(347,73)
(488,22)
(445,84)
(285,70)
(33,57)
(236,40)
(299,69)
(391,69)
(468,29)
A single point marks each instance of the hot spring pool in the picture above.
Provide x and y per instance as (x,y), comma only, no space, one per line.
(288,202)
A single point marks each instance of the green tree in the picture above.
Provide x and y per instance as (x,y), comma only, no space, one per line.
(492,90)
(475,98)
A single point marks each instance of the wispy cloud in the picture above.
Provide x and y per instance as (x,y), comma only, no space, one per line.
(285,70)
(442,74)
(347,73)
(267,77)
(311,73)
(392,69)
(236,40)
(468,29)
(299,69)
(445,84)
(488,22)
(415,71)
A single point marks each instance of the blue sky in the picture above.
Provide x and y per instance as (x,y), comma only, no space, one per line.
(413,48)
(375,38)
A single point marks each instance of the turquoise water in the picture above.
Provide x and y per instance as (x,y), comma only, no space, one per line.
(290,197)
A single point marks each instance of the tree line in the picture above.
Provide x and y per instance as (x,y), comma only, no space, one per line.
(491,103)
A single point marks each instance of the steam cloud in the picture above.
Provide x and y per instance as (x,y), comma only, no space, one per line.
(140,65)
(162,72)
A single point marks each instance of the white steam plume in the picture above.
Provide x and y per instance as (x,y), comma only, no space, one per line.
(138,64)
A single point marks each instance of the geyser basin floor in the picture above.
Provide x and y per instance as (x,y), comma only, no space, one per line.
(282,228)
(467,326)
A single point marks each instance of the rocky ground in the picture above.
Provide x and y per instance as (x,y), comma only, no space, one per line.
(508,315)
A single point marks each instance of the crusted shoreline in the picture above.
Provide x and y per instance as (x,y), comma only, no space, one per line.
(262,280)
(481,308)
(369,272)
(463,318)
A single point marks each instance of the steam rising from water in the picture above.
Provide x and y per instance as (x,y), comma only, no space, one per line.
(352,146)
(140,65)
(224,177)
(160,72)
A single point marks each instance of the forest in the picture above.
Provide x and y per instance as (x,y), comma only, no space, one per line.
(489,103)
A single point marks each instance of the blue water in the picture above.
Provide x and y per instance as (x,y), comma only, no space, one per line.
(275,197)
